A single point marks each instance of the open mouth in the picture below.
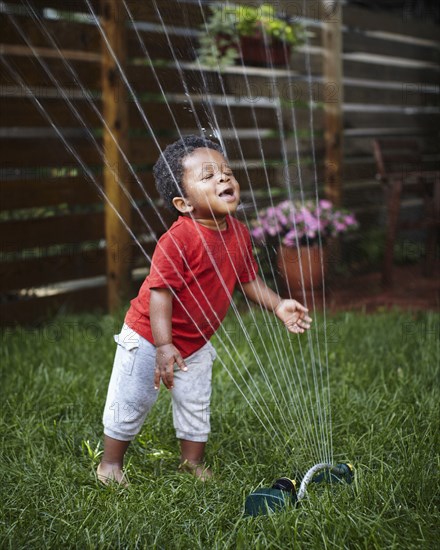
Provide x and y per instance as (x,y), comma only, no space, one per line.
(227,194)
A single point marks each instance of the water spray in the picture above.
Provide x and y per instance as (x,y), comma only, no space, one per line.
(284,491)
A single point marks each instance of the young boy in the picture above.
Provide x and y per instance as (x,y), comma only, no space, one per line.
(195,267)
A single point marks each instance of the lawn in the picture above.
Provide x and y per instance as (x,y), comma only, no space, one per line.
(384,381)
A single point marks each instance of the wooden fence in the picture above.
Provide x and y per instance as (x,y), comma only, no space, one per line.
(61,245)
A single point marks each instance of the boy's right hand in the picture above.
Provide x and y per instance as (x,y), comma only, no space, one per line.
(166,356)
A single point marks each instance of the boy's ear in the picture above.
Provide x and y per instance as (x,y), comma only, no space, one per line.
(182,205)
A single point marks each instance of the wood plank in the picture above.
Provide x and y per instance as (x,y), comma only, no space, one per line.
(88,73)
(333,111)
(20,50)
(298,63)
(358,146)
(23,112)
(292,90)
(417,95)
(242,117)
(143,80)
(272,147)
(359,42)
(68,6)
(171,12)
(140,255)
(51,152)
(252,86)
(390,72)
(74,228)
(371,219)
(18,112)
(365,119)
(70,35)
(159,46)
(379,20)
(39,191)
(147,184)
(374,216)
(115,111)
(359,168)
(153,219)
(37,310)
(145,150)
(370,195)
(46,270)
(160,119)
(255,176)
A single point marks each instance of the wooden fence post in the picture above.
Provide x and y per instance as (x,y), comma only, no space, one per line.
(333,103)
(115,112)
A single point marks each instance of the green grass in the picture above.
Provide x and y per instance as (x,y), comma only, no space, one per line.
(384,382)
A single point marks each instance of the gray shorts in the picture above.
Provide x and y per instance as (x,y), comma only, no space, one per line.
(131,392)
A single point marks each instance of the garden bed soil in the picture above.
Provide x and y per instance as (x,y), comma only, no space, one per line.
(410,291)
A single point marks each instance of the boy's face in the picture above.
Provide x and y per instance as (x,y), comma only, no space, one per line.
(210,187)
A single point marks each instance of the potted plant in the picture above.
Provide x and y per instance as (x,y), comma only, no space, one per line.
(257,34)
(300,232)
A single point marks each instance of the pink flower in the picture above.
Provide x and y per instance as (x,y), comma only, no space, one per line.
(350,220)
(290,239)
(282,218)
(258,234)
(301,223)
(325,205)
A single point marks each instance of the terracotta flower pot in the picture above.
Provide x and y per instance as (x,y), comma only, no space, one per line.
(289,261)
(256,52)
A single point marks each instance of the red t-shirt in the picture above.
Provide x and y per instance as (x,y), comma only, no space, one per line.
(193,260)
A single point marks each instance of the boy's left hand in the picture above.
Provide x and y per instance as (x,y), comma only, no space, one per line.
(293,315)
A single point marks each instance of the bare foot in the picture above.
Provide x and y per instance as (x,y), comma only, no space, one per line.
(108,472)
(197,469)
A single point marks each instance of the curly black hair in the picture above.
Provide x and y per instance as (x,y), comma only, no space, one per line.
(168,170)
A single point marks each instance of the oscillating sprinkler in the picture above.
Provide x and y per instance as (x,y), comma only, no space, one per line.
(284,491)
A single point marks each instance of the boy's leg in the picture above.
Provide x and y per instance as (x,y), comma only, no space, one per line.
(191,459)
(110,467)
(193,451)
(191,401)
(130,397)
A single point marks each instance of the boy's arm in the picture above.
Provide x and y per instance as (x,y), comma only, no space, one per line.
(161,308)
(290,312)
